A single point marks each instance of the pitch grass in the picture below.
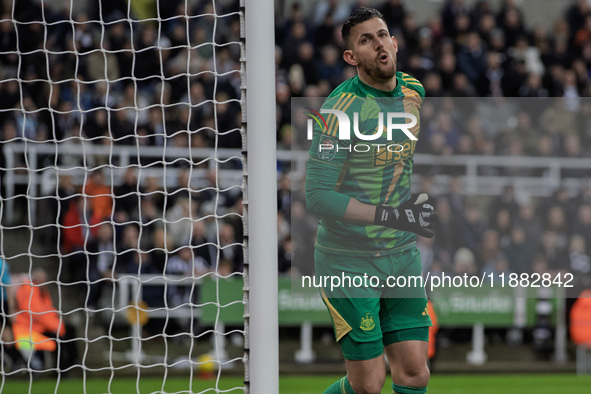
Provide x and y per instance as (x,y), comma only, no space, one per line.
(446,384)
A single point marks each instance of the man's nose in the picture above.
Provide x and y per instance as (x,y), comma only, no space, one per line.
(379,43)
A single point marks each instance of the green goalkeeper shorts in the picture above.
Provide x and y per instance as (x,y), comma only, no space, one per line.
(367,318)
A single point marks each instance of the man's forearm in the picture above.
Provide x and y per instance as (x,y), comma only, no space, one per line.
(360,213)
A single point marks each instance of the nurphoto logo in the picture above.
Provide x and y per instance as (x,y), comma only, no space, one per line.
(345,124)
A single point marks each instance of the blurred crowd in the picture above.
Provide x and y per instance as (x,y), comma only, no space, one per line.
(463,51)
(512,234)
(98,77)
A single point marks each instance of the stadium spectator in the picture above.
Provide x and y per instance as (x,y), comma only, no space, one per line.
(125,198)
(511,21)
(129,256)
(285,252)
(152,191)
(178,220)
(491,81)
(73,238)
(27,125)
(553,250)
(203,249)
(464,262)
(583,35)
(449,14)
(394,12)
(472,58)
(99,198)
(185,264)
(8,45)
(505,200)
(432,83)
(338,11)
(489,251)
(228,115)
(575,15)
(231,258)
(37,318)
(446,235)
(582,223)
(472,228)
(101,264)
(182,189)
(519,252)
(533,87)
(502,225)
(556,222)
(444,126)
(497,268)
(97,124)
(529,55)
(225,198)
(162,245)
(151,218)
(454,196)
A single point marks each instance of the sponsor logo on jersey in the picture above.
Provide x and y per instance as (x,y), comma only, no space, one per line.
(397,153)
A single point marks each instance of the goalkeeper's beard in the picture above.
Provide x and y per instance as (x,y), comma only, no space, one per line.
(375,70)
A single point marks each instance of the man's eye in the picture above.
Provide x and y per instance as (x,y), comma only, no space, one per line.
(364,40)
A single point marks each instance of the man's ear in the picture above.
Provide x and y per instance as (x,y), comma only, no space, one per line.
(349,57)
(395,43)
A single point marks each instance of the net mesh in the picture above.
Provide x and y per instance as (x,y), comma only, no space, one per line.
(122,184)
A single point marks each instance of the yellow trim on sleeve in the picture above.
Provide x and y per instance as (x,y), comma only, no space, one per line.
(397,172)
(411,95)
(332,127)
(331,119)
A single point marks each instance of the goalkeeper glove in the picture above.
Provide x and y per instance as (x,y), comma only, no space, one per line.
(415,217)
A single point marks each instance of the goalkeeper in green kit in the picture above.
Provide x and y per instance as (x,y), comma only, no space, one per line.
(358,181)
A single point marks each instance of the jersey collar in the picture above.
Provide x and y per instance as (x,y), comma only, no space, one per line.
(380,93)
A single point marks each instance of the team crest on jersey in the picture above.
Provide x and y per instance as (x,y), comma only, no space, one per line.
(327,148)
(367,322)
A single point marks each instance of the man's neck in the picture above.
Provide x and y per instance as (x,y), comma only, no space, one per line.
(386,85)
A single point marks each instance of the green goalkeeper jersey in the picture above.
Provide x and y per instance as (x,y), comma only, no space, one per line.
(373,171)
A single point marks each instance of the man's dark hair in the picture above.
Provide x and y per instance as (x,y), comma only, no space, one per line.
(358,16)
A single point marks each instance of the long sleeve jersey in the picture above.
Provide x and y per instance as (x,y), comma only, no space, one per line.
(372,170)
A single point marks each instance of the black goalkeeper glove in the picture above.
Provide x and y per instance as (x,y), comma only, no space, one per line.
(415,217)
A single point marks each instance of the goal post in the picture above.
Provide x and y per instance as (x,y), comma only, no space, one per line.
(261,206)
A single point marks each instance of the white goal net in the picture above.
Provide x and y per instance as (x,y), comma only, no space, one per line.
(122,173)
